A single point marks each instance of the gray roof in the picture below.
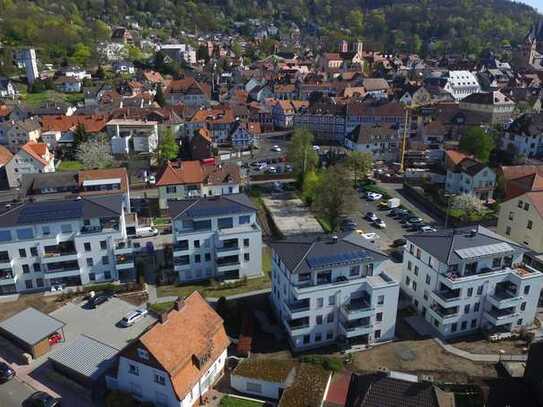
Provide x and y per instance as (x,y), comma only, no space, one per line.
(63,209)
(86,356)
(31,326)
(301,256)
(211,206)
(445,245)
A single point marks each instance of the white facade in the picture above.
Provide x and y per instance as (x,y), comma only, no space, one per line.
(481,184)
(23,163)
(527,145)
(491,292)
(351,302)
(133,136)
(225,246)
(461,84)
(257,387)
(28,57)
(68,252)
(140,380)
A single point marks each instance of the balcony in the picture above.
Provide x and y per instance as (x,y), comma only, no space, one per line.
(123,262)
(55,256)
(5,262)
(307,286)
(503,299)
(228,250)
(7,276)
(297,326)
(443,314)
(357,308)
(352,329)
(297,309)
(227,263)
(498,317)
(123,248)
(62,269)
(446,297)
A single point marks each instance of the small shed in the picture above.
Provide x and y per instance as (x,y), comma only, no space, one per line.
(85,361)
(33,331)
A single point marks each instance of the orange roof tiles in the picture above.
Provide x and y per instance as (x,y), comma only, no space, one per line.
(37,151)
(107,173)
(455,156)
(215,115)
(152,76)
(5,156)
(183,172)
(5,110)
(93,124)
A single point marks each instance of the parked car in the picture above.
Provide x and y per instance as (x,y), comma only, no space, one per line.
(380,223)
(374,196)
(96,300)
(271,170)
(414,220)
(132,317)
(316,148)
(372,236)
(276,148)
(427,228)
(288,168)
(371,216)
(6,372)
(146,231)
(399,242)
(41,399)
(151,179)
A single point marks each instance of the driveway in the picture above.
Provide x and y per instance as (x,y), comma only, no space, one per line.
(14,392)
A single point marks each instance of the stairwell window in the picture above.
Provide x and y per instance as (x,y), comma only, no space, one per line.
(530,225)
(133,370)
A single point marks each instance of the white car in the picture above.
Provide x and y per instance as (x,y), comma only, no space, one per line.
(151,179)
(316,148)
(374,196)
(271,170)
(428,228)
(132,317)
(146,231)
(372,217)
(380,223)
(276,148)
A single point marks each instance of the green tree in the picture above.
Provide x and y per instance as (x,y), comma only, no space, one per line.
(80,136)
(301,153)
(478,142)
(134,53)
(81,54)
(311,182)
(95,154)
(355,21)
(334,197)
(236,48)
(359,164)
(167,147)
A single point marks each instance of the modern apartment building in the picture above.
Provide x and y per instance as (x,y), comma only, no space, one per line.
(463,280)
(63,243)
(216,237)
(333,290)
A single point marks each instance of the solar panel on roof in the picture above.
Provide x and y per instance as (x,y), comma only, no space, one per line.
(47,211)
(346,257)
(213,210)
(486,250)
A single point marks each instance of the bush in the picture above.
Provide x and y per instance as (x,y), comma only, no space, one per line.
(327,363)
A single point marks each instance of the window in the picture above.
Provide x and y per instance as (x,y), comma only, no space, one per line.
(508,230)
(377,334)
(197,258)
(307,339)
(330,318)
(473,323)
(329,335)
(464,325)
(36,267)
(454,327)
(519,322)
(243,220)
(380,300)
(67,228)
(523,306)
(22,253)
(160,379)
(90,262)
(496,262)
(225,223)
(245,242)
(105,260)
(26,268)
(103,245)
(133,369)
(470,291)
(28,284)
(318,320)
(411,248)
(254,387)
(39,282)
(45,230)
(530,225)
(368,268)
(526,206)
(23,234)
(332,300)
(414,286)
(520,204)
(354,271)
(379,316)
(409,265)
(476,307)
(527,290)
(407,280)
(246,256)
(201,225)
(425,296)
(107,275)
(416,270)
(170,189)
(87,246)
(207,257)
(428,279)
(320,302)
(33,251)
(511,215)
(480,290)
(196,244)
(143,354)
(466,309)
(418,254)
(318,337)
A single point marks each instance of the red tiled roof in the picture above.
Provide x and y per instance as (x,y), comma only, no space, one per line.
(62,123)
(36,151)
(339,388)
(455,157)
(107,173)
(5,156)
(183,172)
(5,110)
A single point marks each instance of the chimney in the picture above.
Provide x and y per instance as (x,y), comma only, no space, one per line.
(163,317)
(178,303)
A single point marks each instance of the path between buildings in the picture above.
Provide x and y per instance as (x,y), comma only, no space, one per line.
(154,299)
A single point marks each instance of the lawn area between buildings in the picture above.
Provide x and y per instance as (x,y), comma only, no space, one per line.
(215,289)
(232,401)
(70,166)
(50,96)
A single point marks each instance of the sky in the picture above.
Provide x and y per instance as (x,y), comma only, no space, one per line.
(538,4)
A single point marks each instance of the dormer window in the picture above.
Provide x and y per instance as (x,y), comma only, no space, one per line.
(143,354)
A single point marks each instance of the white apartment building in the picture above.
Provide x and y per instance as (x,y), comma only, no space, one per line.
(461,84)
(333,290)
(63,243)
(471,176)
(133,136)
(463,280)
(216,237)
(524,136)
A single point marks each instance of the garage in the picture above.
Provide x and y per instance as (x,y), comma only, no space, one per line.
(33,331)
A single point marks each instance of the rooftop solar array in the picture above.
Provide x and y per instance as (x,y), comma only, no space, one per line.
(203,210)
(48,211)
(487,250)
(346,257)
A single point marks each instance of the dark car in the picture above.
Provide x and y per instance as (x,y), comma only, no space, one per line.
(41,399)
(97,300)
(399,243)
(6,372)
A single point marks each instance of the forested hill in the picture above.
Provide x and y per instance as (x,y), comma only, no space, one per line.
(58,26)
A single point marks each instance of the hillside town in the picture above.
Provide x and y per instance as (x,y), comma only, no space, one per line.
(340,227)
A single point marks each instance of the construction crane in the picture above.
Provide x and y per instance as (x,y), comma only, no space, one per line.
(406,128)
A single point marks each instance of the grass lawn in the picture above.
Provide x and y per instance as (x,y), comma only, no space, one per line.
(208,289)
(161,221)
(38,99)
(161,307)
(69,166)
(230,401)
(325,225)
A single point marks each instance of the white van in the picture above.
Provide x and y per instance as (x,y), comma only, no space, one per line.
(146,231)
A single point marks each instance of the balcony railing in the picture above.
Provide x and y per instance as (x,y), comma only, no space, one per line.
(60,253)
(299,306)
(228,248)
(444,312)
(357,305)
(228,263)
(448,296)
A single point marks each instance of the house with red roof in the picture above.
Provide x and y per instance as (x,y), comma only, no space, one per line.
(32,158)
(467,175)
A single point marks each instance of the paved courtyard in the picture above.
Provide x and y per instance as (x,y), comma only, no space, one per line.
(291,216)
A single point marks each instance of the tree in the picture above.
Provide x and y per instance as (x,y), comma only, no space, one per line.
(301,153)
(467,203)
(478,142)
(81,54)
(311,182)
(360,164)
(168,147)
(159,97)
(333,196)
(355,21)
(95,154)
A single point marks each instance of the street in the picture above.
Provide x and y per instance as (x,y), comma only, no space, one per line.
(14,392)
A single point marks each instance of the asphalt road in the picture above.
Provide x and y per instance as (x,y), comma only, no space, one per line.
(14,392)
